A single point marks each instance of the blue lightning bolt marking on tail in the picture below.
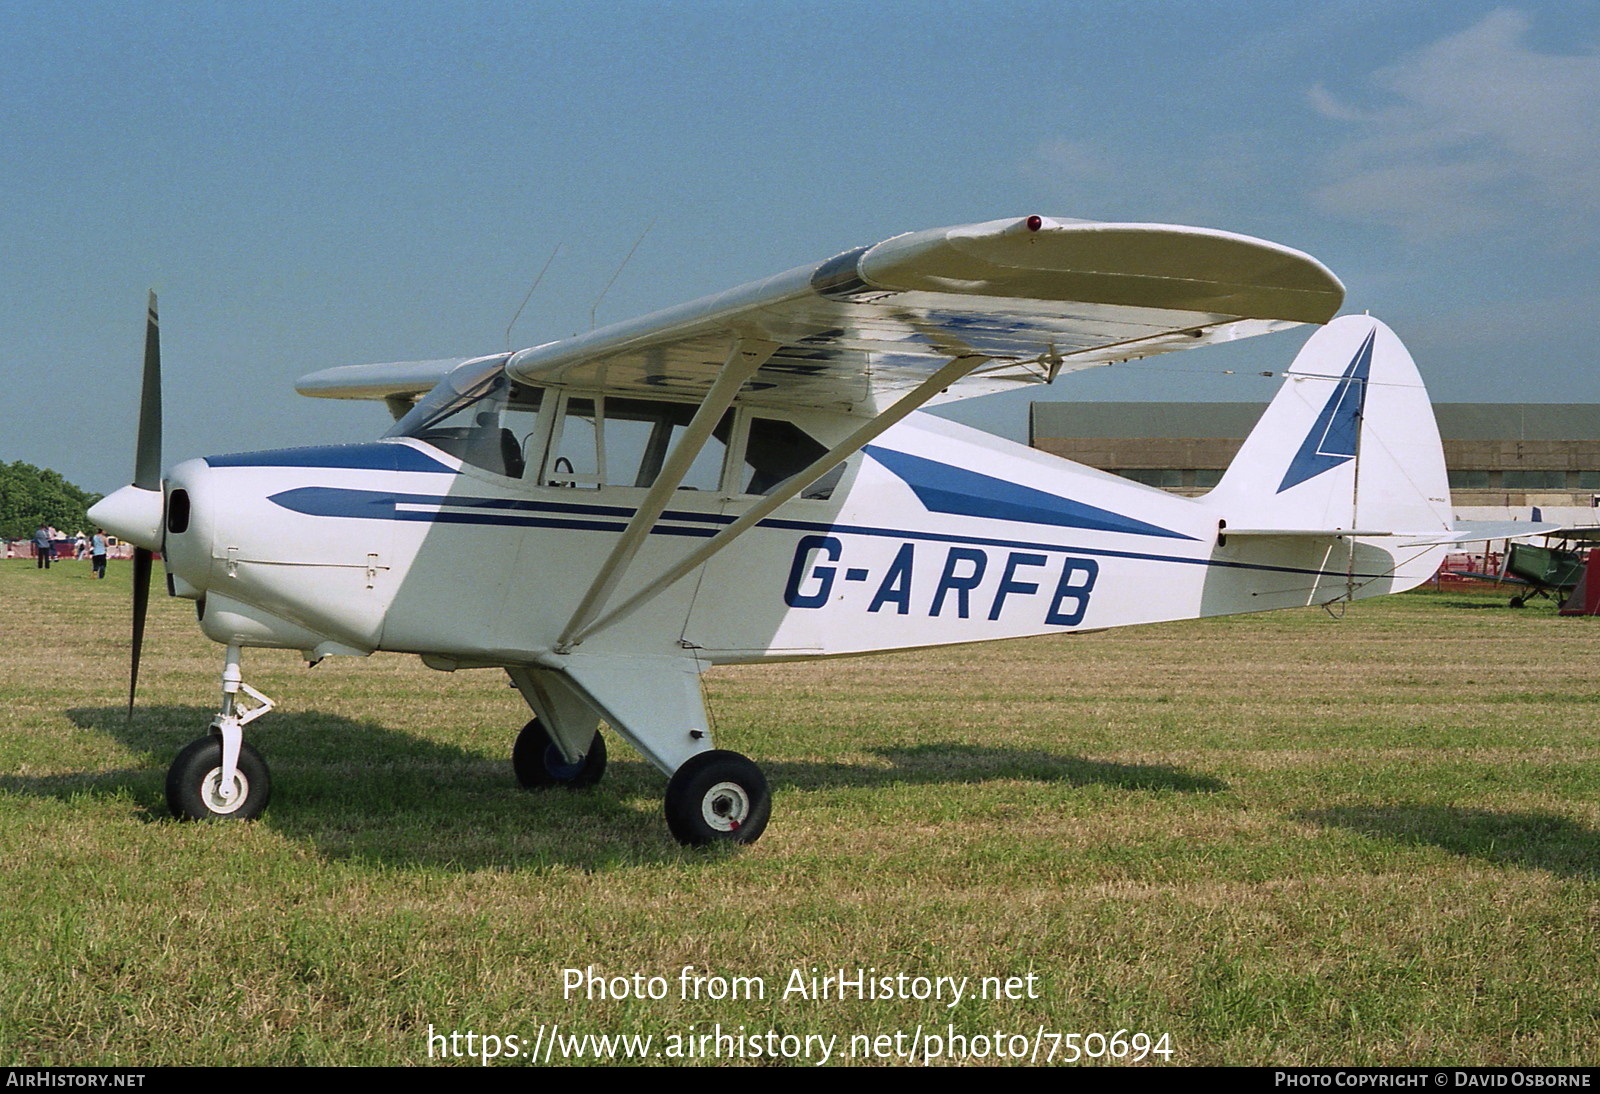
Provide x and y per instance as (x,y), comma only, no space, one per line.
(1333,437)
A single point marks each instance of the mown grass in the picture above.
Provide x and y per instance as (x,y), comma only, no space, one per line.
(1280,839)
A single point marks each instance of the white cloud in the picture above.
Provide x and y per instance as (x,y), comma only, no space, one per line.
(1329,107)
(1149,182)
(1074,161)
(1077,174)
(1477,132)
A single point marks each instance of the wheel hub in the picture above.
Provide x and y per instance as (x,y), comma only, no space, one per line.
(558,767)
(725,806)
(211,792)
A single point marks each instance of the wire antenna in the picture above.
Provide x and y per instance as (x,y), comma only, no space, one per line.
(618,274)
(518,314)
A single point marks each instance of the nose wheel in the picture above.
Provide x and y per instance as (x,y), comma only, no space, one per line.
(718,797)
(195,789)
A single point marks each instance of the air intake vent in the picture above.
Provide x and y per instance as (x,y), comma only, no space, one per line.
(178,512)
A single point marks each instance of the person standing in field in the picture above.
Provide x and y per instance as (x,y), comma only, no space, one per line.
(97,552)
(42,547)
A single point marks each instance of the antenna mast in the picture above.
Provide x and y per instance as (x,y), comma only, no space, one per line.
(618,274)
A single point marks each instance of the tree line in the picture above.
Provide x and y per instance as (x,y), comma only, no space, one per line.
(30,496)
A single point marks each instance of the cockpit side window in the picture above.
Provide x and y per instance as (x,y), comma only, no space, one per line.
(483,418)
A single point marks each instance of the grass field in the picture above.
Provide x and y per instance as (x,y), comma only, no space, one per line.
(1281,839)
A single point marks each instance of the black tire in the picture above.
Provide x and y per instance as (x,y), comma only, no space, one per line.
(718,797)
(193,778)
(539,764)
(1518,601)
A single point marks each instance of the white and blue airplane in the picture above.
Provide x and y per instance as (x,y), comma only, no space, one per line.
(744,478)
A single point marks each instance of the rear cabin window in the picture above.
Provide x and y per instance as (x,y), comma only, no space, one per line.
(775,452)
(604,441)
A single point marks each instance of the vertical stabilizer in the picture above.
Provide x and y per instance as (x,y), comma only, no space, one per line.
(1348,444)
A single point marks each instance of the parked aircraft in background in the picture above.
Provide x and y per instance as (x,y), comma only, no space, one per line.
(1548,570)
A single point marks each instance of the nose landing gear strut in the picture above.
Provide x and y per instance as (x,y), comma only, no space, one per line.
(219,775)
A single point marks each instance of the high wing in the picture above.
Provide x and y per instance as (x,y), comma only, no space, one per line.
(385,381)
(1014,301)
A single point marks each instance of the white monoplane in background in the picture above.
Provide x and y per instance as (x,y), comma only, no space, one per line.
(743,479)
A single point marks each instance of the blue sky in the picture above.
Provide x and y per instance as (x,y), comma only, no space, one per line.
(309,185)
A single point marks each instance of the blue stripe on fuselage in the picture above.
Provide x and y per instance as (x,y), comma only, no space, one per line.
(374,456)
(327,501)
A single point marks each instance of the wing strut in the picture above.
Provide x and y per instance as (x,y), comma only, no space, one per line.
(747,355)
(836,455)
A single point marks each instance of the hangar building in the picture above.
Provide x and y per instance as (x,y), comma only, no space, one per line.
(1503,458)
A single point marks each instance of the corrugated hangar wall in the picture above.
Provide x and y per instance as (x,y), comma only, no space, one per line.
(1500,455)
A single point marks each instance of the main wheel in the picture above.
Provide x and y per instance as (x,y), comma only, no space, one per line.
(194,783)
(718,797)
(1518,601)
(539,764)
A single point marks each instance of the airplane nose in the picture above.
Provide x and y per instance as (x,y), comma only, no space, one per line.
(133,514)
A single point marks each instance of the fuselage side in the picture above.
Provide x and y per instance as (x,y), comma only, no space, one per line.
(935,534)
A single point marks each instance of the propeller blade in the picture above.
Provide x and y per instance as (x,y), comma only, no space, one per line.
(143,563)
(147,454)
(146,476)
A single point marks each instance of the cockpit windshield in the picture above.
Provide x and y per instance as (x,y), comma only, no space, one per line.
(464,416)
(465,384)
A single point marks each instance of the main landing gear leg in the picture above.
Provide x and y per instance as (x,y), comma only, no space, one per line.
(219,775)
(656,705)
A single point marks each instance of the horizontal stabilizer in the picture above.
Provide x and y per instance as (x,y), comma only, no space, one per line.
(1477,531)
(1586,533)
(1473,531)
(1307,533)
